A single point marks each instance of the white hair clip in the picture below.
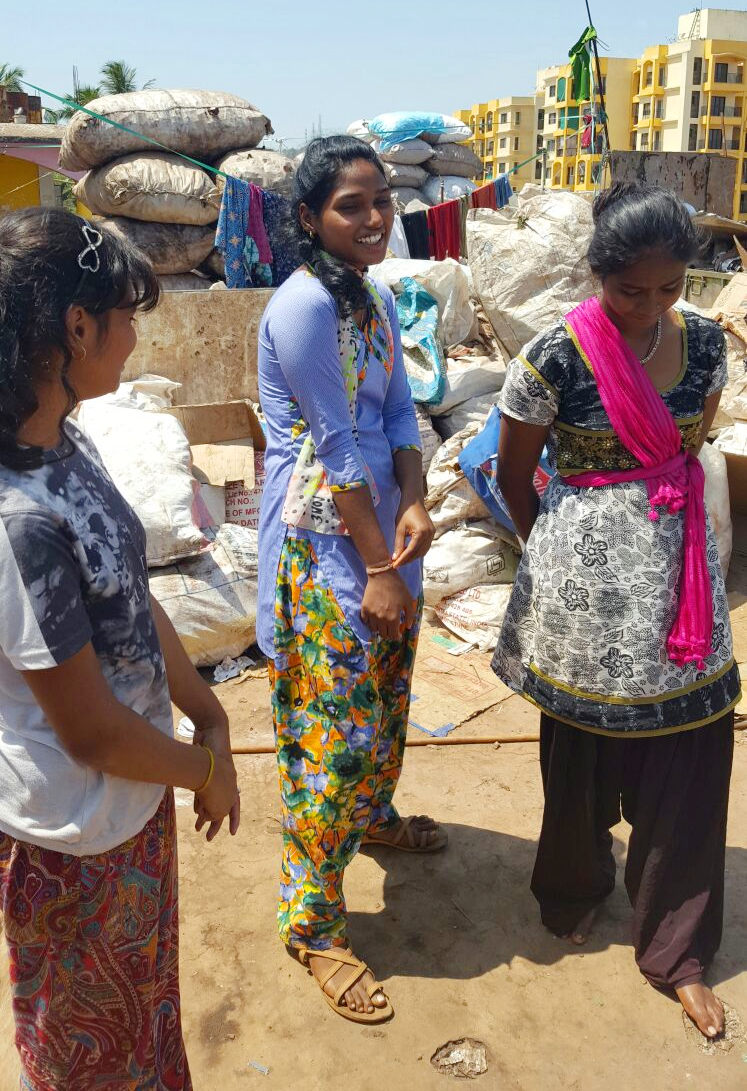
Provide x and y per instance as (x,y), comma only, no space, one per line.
(88,258)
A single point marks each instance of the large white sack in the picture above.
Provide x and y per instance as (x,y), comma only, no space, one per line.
(450,498)
(358,129)
(203,124)
(147,456)
(734,397)
(403,196)
(265,168)
(717,501)
(733,440)
(430,440)
(472,412)
(465,556)
(170,248)
(467,378)
(212,599)
(476,615)
(404,175)
(452,186)
(413,152)
(529,265)
(449,284)
(454,159)
(151,186)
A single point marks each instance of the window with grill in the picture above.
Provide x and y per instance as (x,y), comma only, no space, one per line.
(697,70)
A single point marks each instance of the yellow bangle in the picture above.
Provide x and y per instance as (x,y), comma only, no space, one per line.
(211,770)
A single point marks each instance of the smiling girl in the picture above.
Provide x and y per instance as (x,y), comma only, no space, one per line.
(618,625)
(343,529)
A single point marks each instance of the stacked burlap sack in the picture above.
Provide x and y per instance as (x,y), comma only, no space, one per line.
(165,204)
(424,156)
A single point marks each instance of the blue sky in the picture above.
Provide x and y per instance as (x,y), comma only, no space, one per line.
(340,59)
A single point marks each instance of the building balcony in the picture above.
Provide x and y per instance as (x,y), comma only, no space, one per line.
(727,111)
(732,78)
(727,146)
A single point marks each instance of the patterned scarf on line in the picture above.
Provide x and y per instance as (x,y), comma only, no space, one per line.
(309,502)
(674,478)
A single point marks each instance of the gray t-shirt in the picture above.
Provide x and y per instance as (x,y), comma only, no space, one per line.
(72,570)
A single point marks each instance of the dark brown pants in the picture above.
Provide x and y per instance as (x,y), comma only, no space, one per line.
(673,790)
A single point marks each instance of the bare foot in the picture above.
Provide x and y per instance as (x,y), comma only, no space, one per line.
(422,831)
(356,998)
(704,1008)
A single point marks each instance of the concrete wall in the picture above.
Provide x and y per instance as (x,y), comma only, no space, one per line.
(205,340)
(704,181)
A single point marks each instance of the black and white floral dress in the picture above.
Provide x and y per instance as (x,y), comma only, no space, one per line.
(595,596)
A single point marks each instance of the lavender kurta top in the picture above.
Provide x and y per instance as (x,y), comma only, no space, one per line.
(300,379)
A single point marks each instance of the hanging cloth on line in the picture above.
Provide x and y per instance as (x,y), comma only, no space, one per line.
(275,213)
(503,191)
(415,226)
(444,225)
(241,236)
(484,197)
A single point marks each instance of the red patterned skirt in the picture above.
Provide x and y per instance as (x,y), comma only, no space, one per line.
(94,953)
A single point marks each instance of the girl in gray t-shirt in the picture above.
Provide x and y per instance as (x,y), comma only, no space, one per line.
(89,664)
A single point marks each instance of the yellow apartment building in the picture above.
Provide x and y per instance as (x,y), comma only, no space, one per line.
(504,136)
(570,129)
(689,95)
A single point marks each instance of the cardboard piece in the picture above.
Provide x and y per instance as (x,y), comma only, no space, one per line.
(733,298)
(227,444)
(450,686)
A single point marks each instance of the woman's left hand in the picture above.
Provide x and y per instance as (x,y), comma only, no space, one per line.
(414,531)
(217,737)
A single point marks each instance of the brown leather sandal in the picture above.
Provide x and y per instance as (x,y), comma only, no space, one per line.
(343,956)
(404,841)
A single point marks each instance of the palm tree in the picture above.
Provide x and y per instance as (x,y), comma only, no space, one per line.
(118,78)
(82,96)
(10,77)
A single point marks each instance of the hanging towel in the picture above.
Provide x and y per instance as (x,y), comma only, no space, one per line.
(256,224)
(485,196)
(232,230)
(275,214)
(415,225)
(503,191)
(445,229)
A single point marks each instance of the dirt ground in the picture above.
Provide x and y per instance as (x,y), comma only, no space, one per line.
(455,937)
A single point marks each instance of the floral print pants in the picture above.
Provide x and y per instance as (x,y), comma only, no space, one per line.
(340,712)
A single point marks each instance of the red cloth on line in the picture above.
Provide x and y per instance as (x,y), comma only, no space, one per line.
(445,231)
(485,197)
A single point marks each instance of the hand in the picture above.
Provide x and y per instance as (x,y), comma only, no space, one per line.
(388,608)
(220,798)
(414,532)
(214,735)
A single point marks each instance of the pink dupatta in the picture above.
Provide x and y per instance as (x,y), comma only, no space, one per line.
(674,478)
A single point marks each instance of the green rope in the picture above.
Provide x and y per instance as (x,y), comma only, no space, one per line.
(124,128)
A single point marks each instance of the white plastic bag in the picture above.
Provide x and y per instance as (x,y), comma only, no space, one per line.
(212,599)
(468,555)
(414,151)
(476,615)
(469,377)
(147,455)
(717,500)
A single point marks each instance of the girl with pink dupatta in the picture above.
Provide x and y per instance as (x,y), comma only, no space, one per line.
(618,625)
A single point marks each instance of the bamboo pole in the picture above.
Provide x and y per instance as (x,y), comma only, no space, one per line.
(490,740)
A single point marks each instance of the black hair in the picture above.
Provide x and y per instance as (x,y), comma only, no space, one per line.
(632,220)
(314,181)
(40,279)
